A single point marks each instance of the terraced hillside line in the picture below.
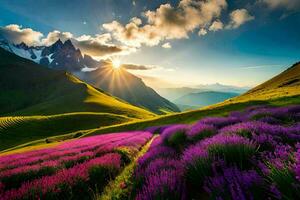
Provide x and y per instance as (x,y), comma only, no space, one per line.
(120,187)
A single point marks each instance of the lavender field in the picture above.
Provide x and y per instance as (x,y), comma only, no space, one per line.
(254,154)
(69,171)
(250,154)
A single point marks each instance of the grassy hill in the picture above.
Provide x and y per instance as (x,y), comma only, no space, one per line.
(286,83)
(30,89)
(19,130)
(286,95)
(129,87)
(66,103)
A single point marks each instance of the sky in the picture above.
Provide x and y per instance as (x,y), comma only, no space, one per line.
(175,43)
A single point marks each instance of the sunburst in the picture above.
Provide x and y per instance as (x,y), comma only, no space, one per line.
(116,63)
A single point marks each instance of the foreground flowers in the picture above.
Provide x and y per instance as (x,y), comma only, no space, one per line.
(71,170)
(253,154)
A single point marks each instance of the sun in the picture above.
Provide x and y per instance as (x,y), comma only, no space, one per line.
(116,63)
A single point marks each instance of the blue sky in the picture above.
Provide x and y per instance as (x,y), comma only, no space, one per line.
(264,43)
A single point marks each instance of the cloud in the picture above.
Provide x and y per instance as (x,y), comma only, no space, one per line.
(291,5)
(54,36)
(239,17)
(166,45)
(99,45)
(259,66)
(16,34)
(202,32)
(167,22)
(137,67)
(216,26)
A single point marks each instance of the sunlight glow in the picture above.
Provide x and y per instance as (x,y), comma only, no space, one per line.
(116,63)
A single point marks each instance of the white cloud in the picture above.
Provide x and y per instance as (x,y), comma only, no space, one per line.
(16,34)
(166,45)
(54,36)
(216,26)
(239,17)
(167,22)
(202,32)
(286,4)
(99,45)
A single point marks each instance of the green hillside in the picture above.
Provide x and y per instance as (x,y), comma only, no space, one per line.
(30,89)
(283,89)
(66,103)
(286,83)
(286,95)
(129,87)
(19,130)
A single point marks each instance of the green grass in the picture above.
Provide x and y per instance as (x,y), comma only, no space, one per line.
(37,102)
(77,96)
(18,130)
(192,116)
(185,117)
(30,89)
(114,191)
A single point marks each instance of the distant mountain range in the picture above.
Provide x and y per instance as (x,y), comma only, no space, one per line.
(64,56)
(202,99)
(175,93)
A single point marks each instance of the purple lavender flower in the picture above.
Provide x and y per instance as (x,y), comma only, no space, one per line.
(175,136)
(220,122)
(158,152)
(235,184)
(170,131)
(166,184)
(275,192)
(200,131)
(279,133)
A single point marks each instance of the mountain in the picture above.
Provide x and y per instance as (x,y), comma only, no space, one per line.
(286,83)
(282,90)
(64,56)
(59,55)
(126,86)
(223,88)
(37,102)
(30,89)
(202,99)
(175,93)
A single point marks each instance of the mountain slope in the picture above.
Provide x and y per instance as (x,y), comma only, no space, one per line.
(64,56)
(286,83)
(37,102)
(125,85)
(29,89)
(202,99)
(288,95)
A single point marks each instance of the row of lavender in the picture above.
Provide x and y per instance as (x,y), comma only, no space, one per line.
(71,170)
(254,154)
